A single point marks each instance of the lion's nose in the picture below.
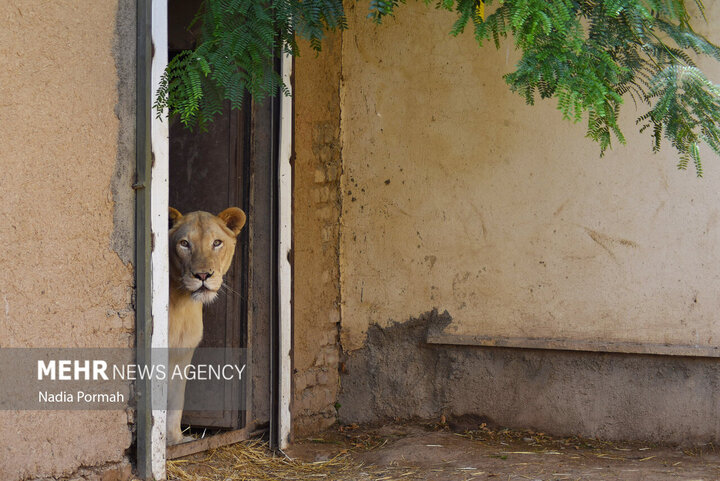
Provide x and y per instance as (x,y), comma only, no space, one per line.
(202,275)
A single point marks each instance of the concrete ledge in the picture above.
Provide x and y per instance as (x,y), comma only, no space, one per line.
(572,345)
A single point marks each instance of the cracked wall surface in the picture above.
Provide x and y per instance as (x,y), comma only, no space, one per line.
(67,130)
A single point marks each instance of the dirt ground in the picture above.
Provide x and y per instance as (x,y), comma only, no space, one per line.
(450,452)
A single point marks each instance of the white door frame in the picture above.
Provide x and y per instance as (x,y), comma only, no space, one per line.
(284,265)
(159,195)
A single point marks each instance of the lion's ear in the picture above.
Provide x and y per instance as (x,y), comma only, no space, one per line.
(174,216)
(234,219)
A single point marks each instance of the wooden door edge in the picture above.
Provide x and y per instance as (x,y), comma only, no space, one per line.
(210,442)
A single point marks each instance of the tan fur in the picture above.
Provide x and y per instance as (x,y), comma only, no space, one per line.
(193,253)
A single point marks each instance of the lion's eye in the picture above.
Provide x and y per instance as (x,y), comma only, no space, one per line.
(184,243)
(217,243)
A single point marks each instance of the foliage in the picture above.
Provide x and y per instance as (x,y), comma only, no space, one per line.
(238,41)
(588,54)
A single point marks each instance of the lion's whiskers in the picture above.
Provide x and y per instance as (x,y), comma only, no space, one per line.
(230,290)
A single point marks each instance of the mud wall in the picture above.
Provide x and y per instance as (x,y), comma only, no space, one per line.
(316,212)
(398,375)
(67,130)
(465,199)
(459,197)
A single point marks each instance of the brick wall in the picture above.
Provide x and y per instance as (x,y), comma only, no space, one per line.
(316,213)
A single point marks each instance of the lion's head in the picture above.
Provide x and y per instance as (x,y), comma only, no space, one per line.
(201,250)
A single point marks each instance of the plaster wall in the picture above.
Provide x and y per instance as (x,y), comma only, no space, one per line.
(459,197)
(316,212)
(66,127)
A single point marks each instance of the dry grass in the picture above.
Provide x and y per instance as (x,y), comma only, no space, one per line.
(253,461)
(501,453)
(531,442)
(542,442)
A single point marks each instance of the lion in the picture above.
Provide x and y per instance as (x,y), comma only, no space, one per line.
(201,247)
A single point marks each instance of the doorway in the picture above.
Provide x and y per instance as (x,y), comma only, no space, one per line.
(230,164)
